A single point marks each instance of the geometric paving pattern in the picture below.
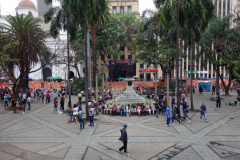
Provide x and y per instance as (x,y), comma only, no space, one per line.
(44,134)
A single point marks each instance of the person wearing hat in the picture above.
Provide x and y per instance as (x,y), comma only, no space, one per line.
(218,101)
(124,138)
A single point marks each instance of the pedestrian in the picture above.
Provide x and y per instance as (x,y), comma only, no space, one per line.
(183,97)
(193,88)
(79,97)
(91,112)
(218,101)
(24,104)
(203,112)
(124,138)
(62,102)
(38,94)
(174,112)
(184,109)
(75,113)
(80,118)
(213,90)
(47,98)
(5,100)
(42,97)
(231,88)
(34,92)
(115,88)
(200,90)
(29,102)
(55,103)
(173,102)
(168,116)
(238,92)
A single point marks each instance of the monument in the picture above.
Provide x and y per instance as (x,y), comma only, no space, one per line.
(129,96)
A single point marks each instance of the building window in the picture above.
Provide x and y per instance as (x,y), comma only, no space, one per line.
(122,48)
(219,8)
(122,57)
(114,9)
(130,57)
(129,9)
(121,9)
(141,75)
(142,65)
(228,7)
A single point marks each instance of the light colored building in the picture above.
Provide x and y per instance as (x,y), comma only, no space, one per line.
(56,46)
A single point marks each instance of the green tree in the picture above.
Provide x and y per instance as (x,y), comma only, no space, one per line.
(25,31)
(194,16)
(225,53)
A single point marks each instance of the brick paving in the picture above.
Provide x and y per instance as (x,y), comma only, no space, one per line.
(42,134)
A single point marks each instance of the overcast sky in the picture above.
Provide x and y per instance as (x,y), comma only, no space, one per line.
(8,6)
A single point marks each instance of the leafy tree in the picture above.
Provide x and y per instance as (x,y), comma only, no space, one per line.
(24,31)
(225,53)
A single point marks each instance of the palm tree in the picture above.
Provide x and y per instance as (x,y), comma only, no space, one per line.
(194,15)
(61,19)
(101,16)
(26,31)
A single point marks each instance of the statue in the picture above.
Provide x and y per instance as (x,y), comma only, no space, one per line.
(129,71)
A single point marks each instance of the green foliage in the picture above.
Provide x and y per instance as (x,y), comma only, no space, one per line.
(79,83)
(4,57)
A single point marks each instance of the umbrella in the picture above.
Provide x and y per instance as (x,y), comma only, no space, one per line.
(57,77)
(120,78)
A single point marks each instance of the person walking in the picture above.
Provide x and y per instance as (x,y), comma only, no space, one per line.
(174,112)
(115,88)
(29,102)
(203,112)
(218,101)
(183,97)
(62,102)
(153,107)
(184,109)
(168,116)
(80,118)
(213,90)
(200,90)
(124,138)
(238,92)
(91,111)
(80,97)
(24,104)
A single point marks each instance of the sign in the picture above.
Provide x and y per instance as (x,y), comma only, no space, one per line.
(197,72)
(148,70)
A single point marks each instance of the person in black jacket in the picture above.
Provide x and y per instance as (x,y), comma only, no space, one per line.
(124,138)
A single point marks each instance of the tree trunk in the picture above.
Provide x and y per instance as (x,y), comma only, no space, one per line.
(69,83)
(94,57)
(86,69)
(181,44)
(191,69)
(217,80)
(177,57)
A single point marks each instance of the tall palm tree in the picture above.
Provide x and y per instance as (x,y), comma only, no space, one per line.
(31,46)
(61,19)
(101,16)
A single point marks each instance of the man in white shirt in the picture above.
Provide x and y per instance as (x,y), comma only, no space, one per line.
(29,103)
(24,96)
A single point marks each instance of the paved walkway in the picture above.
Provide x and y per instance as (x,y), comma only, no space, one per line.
(42,134)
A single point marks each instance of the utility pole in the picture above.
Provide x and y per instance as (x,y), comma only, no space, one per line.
(96,85)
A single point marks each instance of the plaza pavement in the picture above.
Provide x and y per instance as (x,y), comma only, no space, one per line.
(40,134)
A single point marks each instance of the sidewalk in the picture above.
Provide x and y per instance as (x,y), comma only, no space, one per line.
(44,134)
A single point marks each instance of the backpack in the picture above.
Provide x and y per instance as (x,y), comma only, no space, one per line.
(80,115)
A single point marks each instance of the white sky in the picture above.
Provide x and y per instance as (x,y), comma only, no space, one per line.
(8,6)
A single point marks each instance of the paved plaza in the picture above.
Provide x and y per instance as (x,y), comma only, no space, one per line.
(43,135)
